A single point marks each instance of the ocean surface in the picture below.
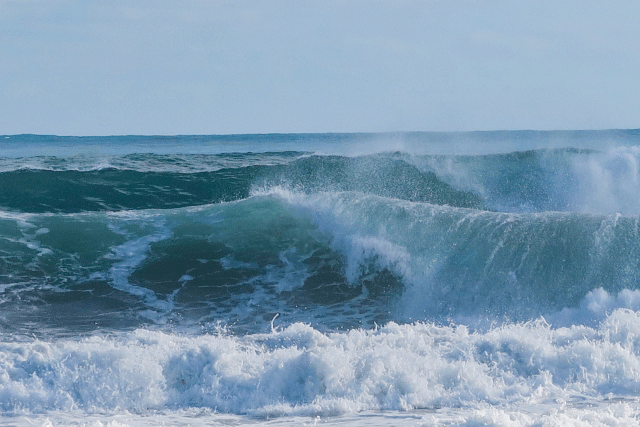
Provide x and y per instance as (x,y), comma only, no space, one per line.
(423,279)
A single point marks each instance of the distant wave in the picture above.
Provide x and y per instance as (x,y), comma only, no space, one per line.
(532,181)
(170,184)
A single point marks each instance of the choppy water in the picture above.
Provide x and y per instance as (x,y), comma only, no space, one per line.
(434,279)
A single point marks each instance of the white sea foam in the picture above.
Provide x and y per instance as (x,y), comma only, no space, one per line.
(596,307)
(132,254)
(623,414)
(608,182)
(522,370)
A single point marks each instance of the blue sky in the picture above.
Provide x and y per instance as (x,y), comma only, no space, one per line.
(71,67)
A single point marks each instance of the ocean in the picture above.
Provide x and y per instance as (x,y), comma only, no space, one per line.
(423,279)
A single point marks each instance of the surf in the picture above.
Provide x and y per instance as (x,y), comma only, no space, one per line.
(443,278)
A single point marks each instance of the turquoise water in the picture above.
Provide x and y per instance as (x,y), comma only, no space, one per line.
(439,278)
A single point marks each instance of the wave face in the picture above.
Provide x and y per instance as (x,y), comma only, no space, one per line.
(260,276)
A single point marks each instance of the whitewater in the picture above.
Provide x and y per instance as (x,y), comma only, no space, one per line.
(418,279)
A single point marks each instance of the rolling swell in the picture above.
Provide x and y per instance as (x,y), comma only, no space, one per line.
(41,191)
(133,188)
(331,240)
(455,261)
(528,181)
(332,259)
(243,262)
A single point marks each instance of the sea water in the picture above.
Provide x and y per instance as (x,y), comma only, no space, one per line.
(436,279)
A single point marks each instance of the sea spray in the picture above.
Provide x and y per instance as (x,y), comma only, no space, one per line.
(484,278)
(298,370)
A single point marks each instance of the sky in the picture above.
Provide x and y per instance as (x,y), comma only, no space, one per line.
(83,67)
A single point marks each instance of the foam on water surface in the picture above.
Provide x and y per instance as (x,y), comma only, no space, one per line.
(488,278)
(518,373)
